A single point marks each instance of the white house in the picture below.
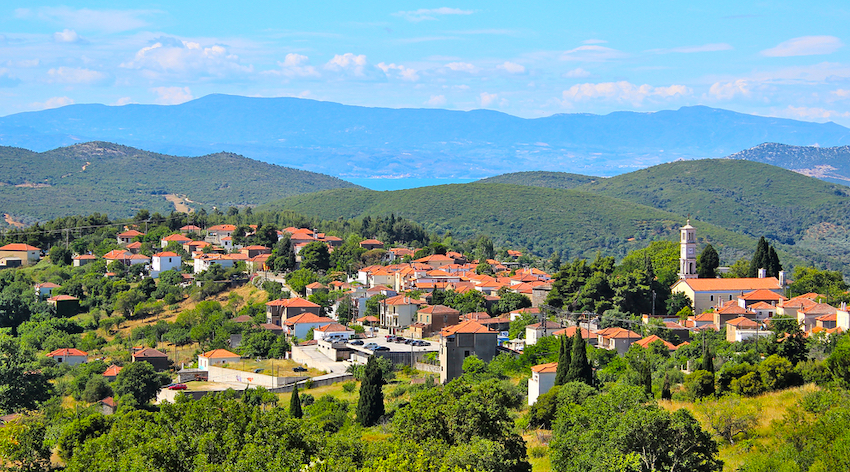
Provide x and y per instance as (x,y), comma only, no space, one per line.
(536,331)
(300,325)
(70,356)
(216,357)
(178,238)
(332,332)
(541,381)
(202,262)
(45,290)
(162,261)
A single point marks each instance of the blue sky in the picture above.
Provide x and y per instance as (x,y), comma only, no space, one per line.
(787,59)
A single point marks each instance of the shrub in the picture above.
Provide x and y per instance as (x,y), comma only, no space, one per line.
(700,384)
(748,385)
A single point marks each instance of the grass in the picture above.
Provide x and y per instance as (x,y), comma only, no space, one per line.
(274,367)
(770,407)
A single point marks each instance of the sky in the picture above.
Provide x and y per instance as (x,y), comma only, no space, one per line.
(530,59)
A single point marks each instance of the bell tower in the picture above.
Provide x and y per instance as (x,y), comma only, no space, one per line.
(688,251)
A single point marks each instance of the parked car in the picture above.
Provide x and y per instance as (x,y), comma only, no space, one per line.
(399,339)
(299,369)
(390,338)
(381,348)
(356,342)
(177,387)
(371,346)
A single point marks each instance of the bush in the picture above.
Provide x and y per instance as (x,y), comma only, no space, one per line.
(778,373)
(700,384)
(349,387)
(749,385)
(814,372)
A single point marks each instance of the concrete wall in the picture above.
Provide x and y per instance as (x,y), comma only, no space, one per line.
(221,374)
(538,384)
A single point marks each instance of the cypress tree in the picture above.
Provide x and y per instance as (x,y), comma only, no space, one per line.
(708,362)
(665,390)
(773,265)
(561,374)
(295,404)
(580,370)
(647,378)
(760,259)
(708,263)
(370,406)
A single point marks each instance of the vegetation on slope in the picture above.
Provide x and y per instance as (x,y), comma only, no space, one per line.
(119,180)
(562,180)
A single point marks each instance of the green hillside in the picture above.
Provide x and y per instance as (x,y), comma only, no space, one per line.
(119,180)
(542,220)
(562,180)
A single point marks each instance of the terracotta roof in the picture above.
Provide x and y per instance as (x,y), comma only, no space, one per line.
(571,332)
(176,237)
(549,368)
(255,248)
(371,242)
(829,317)
(112,371)
(149,352)
(618,333)
(707,316)
(109,401)
(117,254)
(62,298)
(271,327)
(762,306)
(190,228)
(166,254)
(315,285)
(82,257)
(467,327)
(762,294)
(370,318)
(219,354)
(307,318)
(434,258)
(47,285)
(130,234)
(743,323)
(645,342)
(222,228)
(732,308)
(138,256)
(730,285)
(333,328)
(546,324)
(400,300)
(67,351)
(135,245)
(819,309)
(439,310)
(243,319)
(19,247)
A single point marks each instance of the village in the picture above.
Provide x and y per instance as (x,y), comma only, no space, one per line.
(392,312)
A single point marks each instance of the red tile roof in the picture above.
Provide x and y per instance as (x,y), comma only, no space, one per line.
(166,254)
(549,368)
(112,371)
(743,322)
(645,342)
(176,237)
(730,285)
(19,247)
(762,294)
(130,234)
(222,228)
(149,352)
(62,298)
(307,318)
(219,354)
(333,328)
(467,327)
(439,310)
(67,351)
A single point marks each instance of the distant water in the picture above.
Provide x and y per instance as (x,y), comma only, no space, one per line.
(403,183)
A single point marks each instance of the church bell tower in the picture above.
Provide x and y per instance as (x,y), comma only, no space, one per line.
(688,252)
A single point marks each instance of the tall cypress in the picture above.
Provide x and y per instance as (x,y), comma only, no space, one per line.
(580,370)
(665,390)
(562,373)
(370,406)
(708,361)
(295,404)
(760,259)
(773,265)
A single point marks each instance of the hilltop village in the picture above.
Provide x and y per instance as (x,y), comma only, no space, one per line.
(139,314)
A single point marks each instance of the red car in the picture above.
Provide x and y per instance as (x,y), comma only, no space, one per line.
(177,387)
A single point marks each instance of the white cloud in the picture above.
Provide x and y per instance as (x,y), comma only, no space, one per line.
(109,21)
(513,68)
(622,92)
(70,75)
(53,102)
(712,47)
(423,14)
(172,95)
(805,46)
(402,72)
(67,36)
(186,59)
(728,90)
(813,113)
(436,100)
(462,67)
(348,62)
(577,73)
(123,101)
(487,98)
(592,53)
(841,93)
(296,65)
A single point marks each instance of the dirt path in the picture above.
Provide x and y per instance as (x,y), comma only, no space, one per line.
(179,202)
(11,221)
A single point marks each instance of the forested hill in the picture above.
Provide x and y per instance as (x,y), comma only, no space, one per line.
(119,180)
(576,223)
(807,215)
(562,180)
(826,163)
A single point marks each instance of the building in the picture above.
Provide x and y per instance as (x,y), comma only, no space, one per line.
(70,356)
(616,339)
(162,261)
(83,259)
(398,312)
(24,252)
(743,328)
(216,357)
(64,305)
(461,341)
(370,244)
(111,372)
(159,360)
(535,332)
(687,251)
(45,290)
(332,332)
(177,238)
(127,236)
(217,232)
(708,293)
(286,308)
(434,318)
(300,325)
(542,380)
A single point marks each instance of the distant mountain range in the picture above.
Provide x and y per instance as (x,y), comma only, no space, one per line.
(826,163)
(120,180)
(731,203)
(351,141)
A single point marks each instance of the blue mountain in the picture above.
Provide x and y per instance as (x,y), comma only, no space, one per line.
(353,141)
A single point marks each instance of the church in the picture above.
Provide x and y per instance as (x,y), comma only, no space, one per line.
(708,293)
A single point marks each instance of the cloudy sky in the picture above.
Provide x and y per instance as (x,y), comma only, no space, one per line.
(775,58)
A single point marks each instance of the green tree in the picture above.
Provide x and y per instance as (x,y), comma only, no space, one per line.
(295,404)
(60,256)
(299,280)
(580,370)
(760,259)
(97,388)
(564,360)
(708,262)
(788,339)
(839,361)
(140,382)
(22,384)
(315,256)
(370,406)
(677,302)
(22,445)
(510,301)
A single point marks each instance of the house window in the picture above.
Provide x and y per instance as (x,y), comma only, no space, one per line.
(711,298)
(730,298)
(466,354)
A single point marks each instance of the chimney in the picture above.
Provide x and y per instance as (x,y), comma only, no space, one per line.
(762,273)
(782,280)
